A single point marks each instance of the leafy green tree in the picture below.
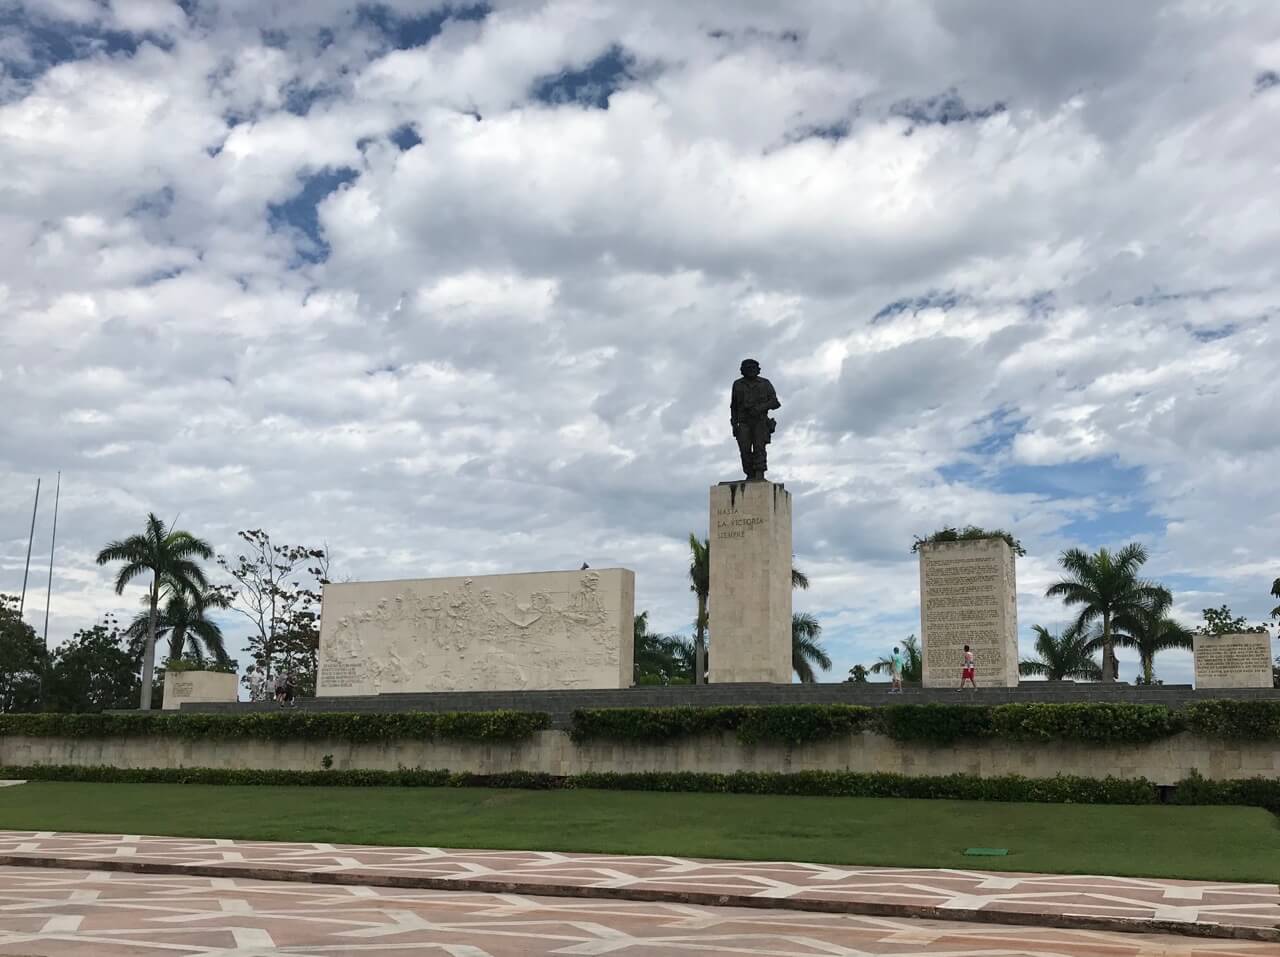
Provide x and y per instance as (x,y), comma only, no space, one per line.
(700,585)
(1220,621)
(185,620)
(1068,656)
(22,660)
(857,675)
(277,588)
(93,671)
(1104,585)
(1150,630)
(912,663)
(170,556)
(969,533)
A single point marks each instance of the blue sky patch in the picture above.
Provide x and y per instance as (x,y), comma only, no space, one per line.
(405,137)
(406,33)
(300,212)
(943,109)
(591,85)
(933,299)
(1216,333)
(52,43)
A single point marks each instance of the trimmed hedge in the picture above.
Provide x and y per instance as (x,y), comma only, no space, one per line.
(1064,789)
(929,724)
(1234,720)
(793,724)
(1092,723)
(938,724)
(283,725)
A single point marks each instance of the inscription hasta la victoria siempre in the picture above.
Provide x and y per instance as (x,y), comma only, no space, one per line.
(731,524)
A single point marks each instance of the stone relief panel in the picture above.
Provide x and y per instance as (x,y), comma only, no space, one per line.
(539,630)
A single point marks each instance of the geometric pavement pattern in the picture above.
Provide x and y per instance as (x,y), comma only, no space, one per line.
(56,912)
(785,885)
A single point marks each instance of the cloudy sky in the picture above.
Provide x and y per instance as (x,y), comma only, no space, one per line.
(462,289)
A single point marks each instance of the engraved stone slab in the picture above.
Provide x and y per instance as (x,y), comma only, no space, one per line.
(183,686)
(531,631)
(1233,661)
(750,600)
(968,596)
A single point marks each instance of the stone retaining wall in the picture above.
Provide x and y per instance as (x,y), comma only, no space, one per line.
(1164,762)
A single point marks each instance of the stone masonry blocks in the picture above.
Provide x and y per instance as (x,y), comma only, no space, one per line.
(750,601)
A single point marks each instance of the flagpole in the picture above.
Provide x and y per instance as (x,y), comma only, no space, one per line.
(30,538)
(53,541)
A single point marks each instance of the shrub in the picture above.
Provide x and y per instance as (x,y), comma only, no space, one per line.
(790,724)
(1234,720)
(1254,792)
(283,725)
(969,533)
(1061,789)
(1088,723)
(939,724)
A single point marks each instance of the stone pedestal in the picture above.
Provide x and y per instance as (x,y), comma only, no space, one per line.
(969,596)
(1233,661)
(181,687)
(750,601)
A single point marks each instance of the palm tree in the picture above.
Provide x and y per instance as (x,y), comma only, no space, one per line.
(1275,593)
(806,647)
(1105,585)
(1062,657)
(913,664)
(858,675)
(185,620)
(1149,629)
(170,556)
(700,585)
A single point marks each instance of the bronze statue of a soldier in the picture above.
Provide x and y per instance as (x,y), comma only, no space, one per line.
(752,400)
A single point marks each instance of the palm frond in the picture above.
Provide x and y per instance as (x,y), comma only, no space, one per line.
(798,578)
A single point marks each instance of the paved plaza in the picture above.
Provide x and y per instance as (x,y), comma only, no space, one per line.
(786,889)
(53,912)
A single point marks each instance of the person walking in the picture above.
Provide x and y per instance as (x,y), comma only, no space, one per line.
(895,668)
(967,671)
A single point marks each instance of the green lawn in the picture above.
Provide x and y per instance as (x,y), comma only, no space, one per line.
(1208,843)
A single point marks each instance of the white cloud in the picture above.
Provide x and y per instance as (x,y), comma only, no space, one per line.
(1054,314)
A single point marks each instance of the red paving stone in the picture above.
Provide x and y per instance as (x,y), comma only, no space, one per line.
(966,894)
(51,912)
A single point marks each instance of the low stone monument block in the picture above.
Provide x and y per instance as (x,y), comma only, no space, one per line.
(181,687)
(1233,661)
(968,596)
(750,600)
(532,631)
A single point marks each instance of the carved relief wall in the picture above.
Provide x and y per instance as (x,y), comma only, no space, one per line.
(539,630)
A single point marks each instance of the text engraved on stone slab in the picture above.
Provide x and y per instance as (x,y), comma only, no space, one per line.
(962,606)
(732,524)
(1222,660)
